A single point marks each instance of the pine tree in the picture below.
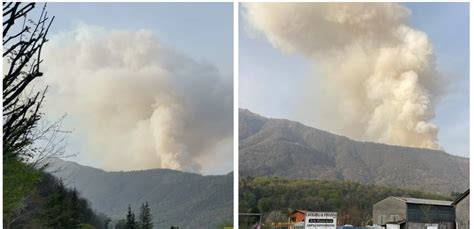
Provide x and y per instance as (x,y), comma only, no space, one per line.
(131,223)
(145,217)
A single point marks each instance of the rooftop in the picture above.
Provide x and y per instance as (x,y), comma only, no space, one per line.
(424,201)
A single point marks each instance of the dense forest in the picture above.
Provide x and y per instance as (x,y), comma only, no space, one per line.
(276,197)
(51,205)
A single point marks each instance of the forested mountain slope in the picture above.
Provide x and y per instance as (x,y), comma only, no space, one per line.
(176,198)
(283,148)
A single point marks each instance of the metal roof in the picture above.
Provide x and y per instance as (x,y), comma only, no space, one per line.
(424,201)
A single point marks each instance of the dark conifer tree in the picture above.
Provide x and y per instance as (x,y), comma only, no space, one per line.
(145,217)
(131,223)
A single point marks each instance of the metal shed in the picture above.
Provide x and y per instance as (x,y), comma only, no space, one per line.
(413,213)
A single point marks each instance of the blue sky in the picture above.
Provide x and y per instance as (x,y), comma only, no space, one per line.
(270,81)
(202,31)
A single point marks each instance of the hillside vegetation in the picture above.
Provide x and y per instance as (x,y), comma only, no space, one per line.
(288,149)
(52,205)
(185,200)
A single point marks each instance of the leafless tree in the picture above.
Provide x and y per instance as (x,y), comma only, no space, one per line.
(27,137)
(23,40)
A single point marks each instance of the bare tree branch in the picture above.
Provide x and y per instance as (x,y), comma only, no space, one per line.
(21,111)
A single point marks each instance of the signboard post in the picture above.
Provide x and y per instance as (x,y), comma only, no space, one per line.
(320,220)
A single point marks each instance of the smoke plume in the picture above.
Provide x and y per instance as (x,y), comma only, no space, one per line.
(376,77)
(138,103)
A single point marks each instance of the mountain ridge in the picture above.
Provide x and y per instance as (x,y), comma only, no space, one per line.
(248,112)
(176,198)
(284,148)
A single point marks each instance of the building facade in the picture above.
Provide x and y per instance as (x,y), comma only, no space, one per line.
(296,219)
(297,216)
(461,205)
(412,213)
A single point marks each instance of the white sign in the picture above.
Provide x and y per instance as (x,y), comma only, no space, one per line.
(393,226)
(320,220)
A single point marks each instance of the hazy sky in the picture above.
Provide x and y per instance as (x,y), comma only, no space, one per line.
(200,30)
(272,83)
(198,35)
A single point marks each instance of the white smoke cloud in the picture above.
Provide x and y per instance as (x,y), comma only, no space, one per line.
(376,77)
(139,103)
